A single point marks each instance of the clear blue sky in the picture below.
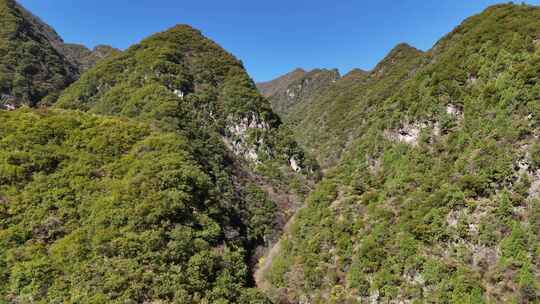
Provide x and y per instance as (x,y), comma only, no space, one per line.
(270,37)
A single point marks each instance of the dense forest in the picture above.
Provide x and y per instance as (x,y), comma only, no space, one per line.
(434,197)
(163,174)
(158,174)
(108,210)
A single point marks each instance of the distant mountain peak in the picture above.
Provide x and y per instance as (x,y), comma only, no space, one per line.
(355,73)
(298,70)
(183,27)
(269,88)
(401,52)
(178,29)
(297,88)
(403,45)
(403,49)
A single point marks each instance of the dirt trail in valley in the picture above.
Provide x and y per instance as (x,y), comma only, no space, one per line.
(269,256)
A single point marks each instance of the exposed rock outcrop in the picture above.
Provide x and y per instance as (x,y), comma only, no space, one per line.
(241,137)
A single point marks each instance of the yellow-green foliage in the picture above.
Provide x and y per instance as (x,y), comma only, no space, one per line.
(97,208)
(177,59)
(107,210)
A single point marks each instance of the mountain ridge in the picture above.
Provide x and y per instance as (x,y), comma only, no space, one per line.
(77,54)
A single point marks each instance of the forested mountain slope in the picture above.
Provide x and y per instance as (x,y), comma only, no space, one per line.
(185,81)
(78,55)
(108,210)
(436,197)
(164,192)
(181,81)
(160,174)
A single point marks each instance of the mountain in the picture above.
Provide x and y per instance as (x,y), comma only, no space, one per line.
(434,198)
(281,83)
(85,58)
(164,174)
(160,175)
(78,55)
(35,63)
(184,81)
(296,90)
(326,119)
(31,68)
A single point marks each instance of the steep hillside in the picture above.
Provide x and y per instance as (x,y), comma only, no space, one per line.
(180,78)
(296,90)
(78,55)
(166,191)
(180,81)
(436,199)
(32,70)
